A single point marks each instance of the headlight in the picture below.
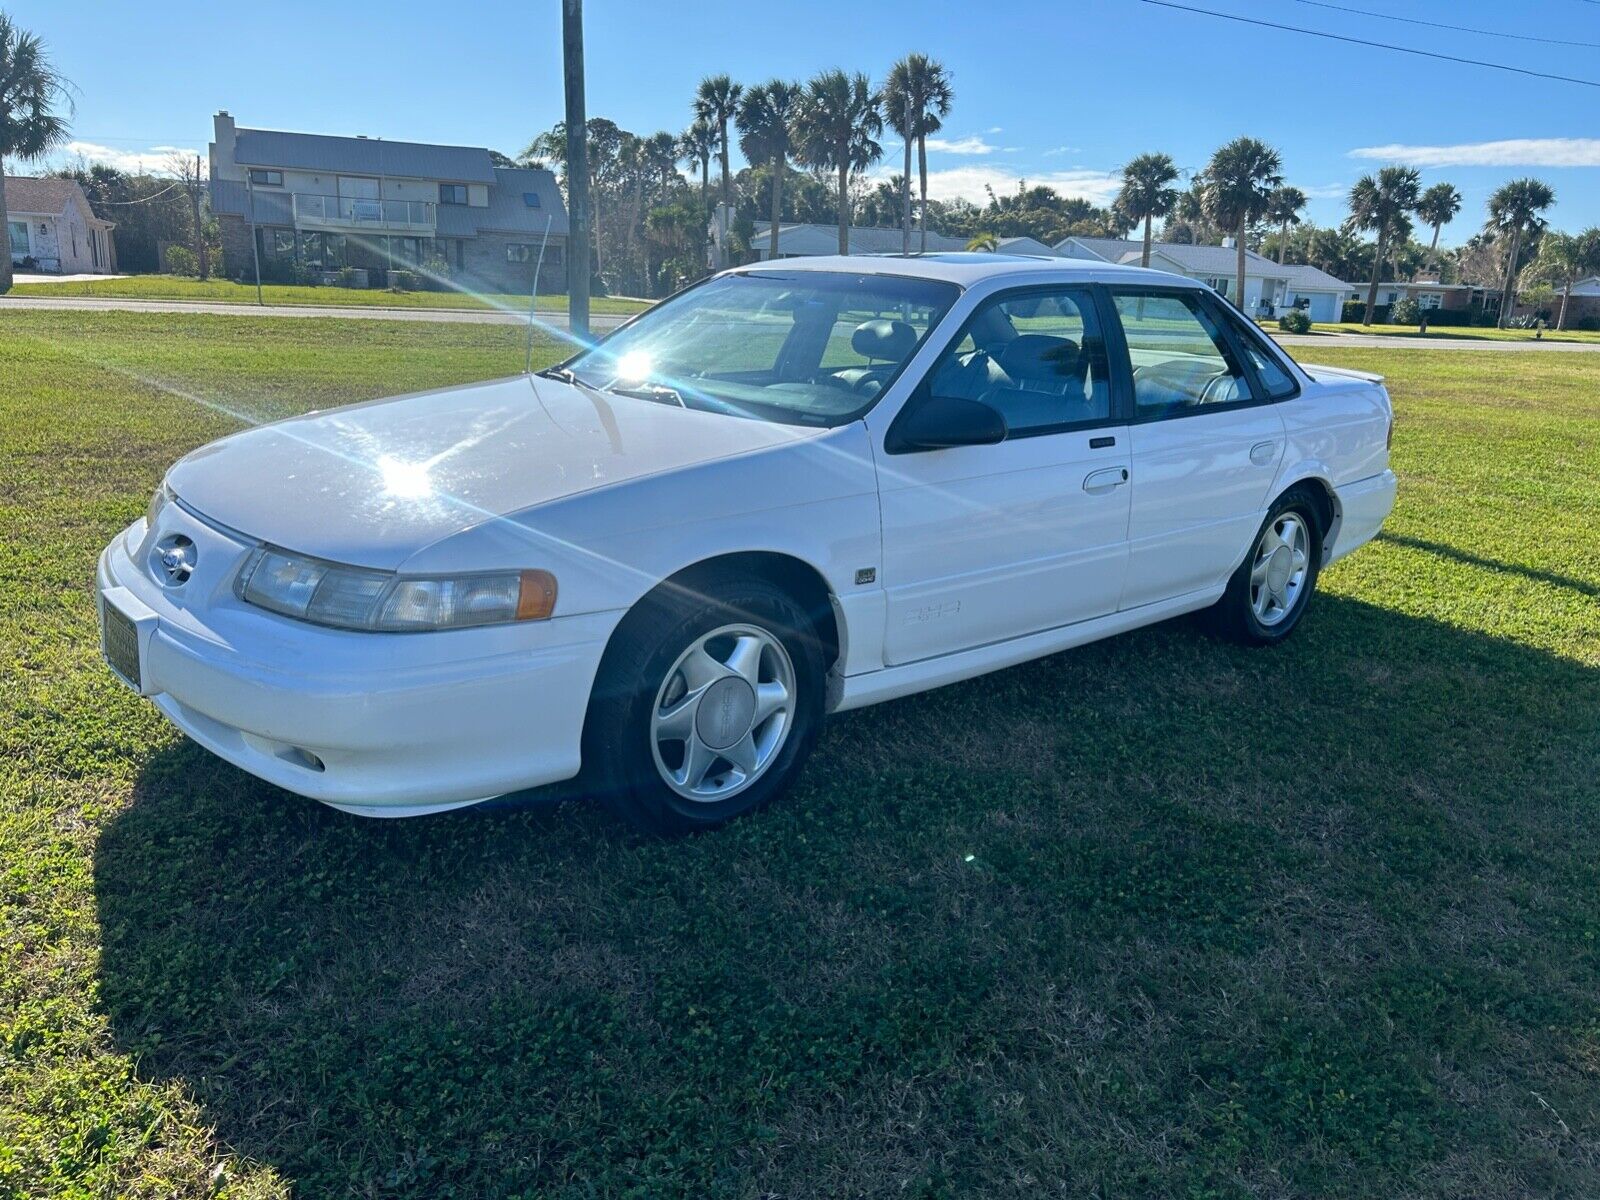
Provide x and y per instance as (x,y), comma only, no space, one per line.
(159,501)
(357,598)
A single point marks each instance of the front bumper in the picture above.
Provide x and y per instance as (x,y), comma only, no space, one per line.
(382,724)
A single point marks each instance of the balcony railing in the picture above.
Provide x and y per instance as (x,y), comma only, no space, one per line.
(349,212)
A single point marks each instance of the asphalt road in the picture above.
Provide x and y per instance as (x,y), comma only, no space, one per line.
(486,316)
(602,323)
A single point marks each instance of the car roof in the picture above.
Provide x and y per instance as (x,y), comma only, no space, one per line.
(972,267)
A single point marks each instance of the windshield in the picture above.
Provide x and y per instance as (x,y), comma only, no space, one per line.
(799,347)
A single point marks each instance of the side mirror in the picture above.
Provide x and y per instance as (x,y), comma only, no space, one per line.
(941,422)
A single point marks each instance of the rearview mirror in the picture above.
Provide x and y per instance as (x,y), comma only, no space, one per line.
(942,422)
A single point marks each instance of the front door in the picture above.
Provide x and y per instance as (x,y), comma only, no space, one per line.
(1206,445)
(986,543)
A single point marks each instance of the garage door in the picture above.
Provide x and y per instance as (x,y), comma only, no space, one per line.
(1324,307)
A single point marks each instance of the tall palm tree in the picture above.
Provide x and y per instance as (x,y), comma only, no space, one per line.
(1563,259)
(836,128)
(1515,211)
(1378,205)
(916,99)
(715,103)
(766,122)
(1238,180)
(1283,209)
(696,145)
(1438,207)
(30,126)
(1147,192)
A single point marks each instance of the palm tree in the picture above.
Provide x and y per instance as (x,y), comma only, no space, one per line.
(715,103)
(1515,210)
(696,145)
(1379,205)
(1438,207)
(836,128)
(1283,208)
(1563,259)
(983,241)
(30,90)
(1147,192)
(1238,181)
(916,99)
(766,122)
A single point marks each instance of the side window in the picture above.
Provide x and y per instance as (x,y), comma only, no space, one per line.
(1269,370)
(1180,359)
(1039,358)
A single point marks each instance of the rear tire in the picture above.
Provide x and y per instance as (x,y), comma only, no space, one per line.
(708,701)
(1268,594)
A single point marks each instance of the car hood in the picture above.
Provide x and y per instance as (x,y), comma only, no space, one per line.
(374,483)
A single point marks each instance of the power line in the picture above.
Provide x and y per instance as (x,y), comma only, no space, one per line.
(1339,37)
(1521,37)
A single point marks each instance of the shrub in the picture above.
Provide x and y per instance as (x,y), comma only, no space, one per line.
(1353,310)
(1295,321)
(181,261)
(402,281)
(1589,324)
(1406,312)
(347,277)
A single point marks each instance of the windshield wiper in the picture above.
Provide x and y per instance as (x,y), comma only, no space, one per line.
(658,392)
(568,375)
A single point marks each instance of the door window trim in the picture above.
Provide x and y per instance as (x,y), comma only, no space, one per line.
(1123,362)
(1243,330)
(1091,292)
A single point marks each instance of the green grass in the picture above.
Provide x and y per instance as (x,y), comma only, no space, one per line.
(1159,917)
(1470,333)
(173,287)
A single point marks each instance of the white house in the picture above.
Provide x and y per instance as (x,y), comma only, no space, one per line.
(51,225)
(1268,287)
(799,240)
(1027,245)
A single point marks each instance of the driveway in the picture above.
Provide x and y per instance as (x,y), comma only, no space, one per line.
(487,316)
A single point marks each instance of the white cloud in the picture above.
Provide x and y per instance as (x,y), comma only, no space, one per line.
(1324,191)
(1055,150)
(966,145)
(156,160)
(968,183)
(1513,152)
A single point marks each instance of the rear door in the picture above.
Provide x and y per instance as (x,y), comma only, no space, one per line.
(1206,437)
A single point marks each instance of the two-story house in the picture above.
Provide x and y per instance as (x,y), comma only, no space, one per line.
(324,203)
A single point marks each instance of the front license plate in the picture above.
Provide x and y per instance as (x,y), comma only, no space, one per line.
(119,638)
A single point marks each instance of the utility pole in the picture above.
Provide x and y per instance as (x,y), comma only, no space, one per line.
(577,171)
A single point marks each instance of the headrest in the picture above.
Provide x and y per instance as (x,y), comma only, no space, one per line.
(1038,356)
(883,339)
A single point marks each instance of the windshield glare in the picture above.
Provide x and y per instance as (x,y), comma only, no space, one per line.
(800,347)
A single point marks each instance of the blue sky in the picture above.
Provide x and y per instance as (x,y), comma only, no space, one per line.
(1060,93)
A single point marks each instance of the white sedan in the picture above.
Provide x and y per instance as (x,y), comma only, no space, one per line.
(796,488)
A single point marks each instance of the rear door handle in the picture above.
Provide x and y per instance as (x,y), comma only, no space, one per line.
(1263,453)
(1104,481)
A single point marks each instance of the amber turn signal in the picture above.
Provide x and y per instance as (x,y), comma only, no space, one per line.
(536,599)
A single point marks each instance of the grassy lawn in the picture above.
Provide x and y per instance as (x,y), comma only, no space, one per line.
(1158,917)
(1452,332)
(172,287)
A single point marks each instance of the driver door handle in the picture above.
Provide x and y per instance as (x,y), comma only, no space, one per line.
(1100,482)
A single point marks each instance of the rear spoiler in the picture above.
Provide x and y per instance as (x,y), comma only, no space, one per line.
(1341,373)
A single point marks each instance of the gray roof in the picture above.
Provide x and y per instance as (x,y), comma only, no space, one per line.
(509,210)
(1027,245)
(1308,278)
(1191,260)
(362,156)
(1107,249)
(45,197)
(824,239)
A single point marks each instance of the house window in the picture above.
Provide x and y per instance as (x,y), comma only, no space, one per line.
(452,193)
(264,178)
(531,200)
(19,236)
(519,252)
(1430,300)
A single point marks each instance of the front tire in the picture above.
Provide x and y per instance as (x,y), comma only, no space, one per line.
(1268,594)
(708,702)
